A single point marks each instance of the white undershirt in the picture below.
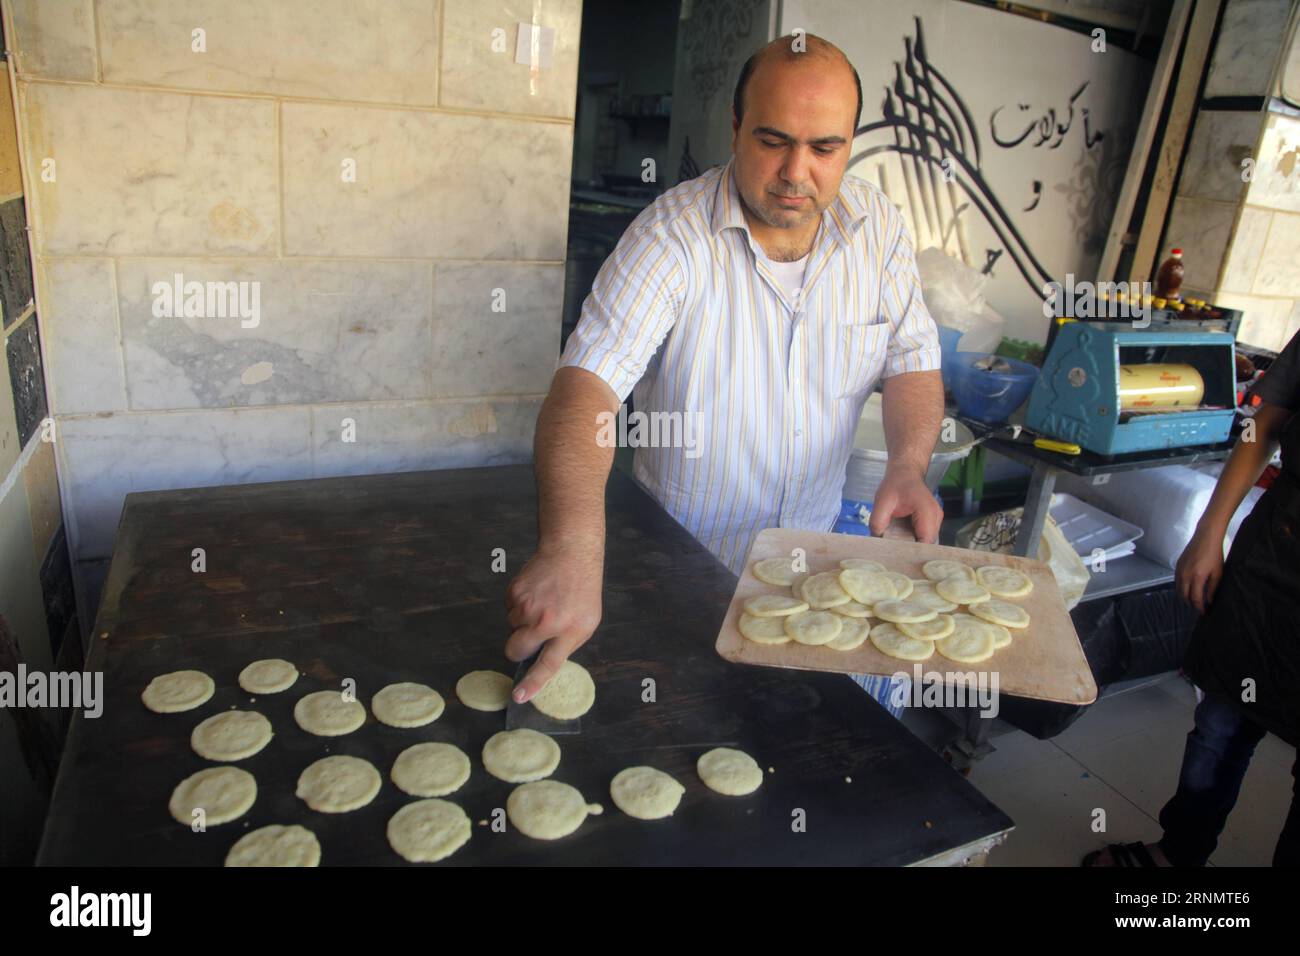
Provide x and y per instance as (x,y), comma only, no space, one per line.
(789,275)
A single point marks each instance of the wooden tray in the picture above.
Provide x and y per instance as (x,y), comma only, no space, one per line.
(1044,661)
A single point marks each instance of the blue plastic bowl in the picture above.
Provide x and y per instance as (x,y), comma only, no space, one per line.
(989,397)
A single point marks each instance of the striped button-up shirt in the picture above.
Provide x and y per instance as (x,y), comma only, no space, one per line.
(687,315)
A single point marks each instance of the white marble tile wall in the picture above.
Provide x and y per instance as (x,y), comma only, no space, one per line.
(1248,47)
(384,174)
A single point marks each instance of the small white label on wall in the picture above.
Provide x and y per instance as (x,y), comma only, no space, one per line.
(545,39)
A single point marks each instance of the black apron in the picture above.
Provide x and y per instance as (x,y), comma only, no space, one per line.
(1251,629)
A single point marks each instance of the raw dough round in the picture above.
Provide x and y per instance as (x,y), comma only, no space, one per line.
(774,605)
(178,691)
(223,793)
(428,830)
(520,756)
(485,690)
(823,591)
(326,714)
(231,735)
(892,642)
(852,609)
(923,592)
(1001,636)
(1000,612)
(902,584)
(407,705)
(764,630)
(853,634)
(943,568)
(814,627)
(969,643)
(908,611)
(867,587)
(778,571)
(1004,582)
(959,590)
(863,564)
(430,770)
(338,784)
(731,772)
(268,676)
(567,695)
(935,630)
(645,793)
(276,845)
(547,809)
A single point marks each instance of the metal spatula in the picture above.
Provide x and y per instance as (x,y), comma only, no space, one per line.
(528,717)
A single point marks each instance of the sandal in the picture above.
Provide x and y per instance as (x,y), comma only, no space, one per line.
(1124,854)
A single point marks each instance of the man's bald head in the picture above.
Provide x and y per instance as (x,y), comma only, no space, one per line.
(782,50)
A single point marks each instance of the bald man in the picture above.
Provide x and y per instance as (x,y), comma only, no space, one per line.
(760,303)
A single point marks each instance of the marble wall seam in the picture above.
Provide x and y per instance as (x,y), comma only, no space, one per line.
(485,113)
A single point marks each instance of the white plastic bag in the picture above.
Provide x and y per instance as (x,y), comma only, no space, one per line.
(997,532)
(954,294)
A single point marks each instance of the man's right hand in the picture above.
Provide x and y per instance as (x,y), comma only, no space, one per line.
(555,604)
(1200,567)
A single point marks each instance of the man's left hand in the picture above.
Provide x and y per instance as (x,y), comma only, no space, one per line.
(902,495)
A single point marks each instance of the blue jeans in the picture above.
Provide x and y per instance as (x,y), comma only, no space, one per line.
(1218,752)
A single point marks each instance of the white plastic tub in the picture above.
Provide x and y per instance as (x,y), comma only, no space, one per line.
(866,468)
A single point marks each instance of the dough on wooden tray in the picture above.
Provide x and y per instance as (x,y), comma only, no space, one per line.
(933,630)
(520,756)
(730,772)
(778,571)
(428,830)
(1004,582)
(569,694)
(774,605)
(864,564)
(275,845)
(959,590)
(969,643)
(270,676)
(902,584)
(764,630)
(867,587)
(851,609)
(892,642)
(923,592)
(231,735)
(853,634)
(485,690)
(942,568)
(178,691)
(407,705)
(548,809)
(222,793)
(823,591)
(326,714)
(1000,612)
(814,627)
(645,793)
(900,611)
(430,770)
(338,784)
(1001,636)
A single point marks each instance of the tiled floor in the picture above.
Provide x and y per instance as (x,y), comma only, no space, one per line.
(1121,757)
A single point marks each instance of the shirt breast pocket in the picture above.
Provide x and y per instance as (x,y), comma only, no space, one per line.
(861,348)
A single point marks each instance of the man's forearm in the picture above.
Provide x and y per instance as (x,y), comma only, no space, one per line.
(913,412)
(571,466)
(1242,470)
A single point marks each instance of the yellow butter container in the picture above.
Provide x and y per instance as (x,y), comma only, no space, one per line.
(1159,384)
